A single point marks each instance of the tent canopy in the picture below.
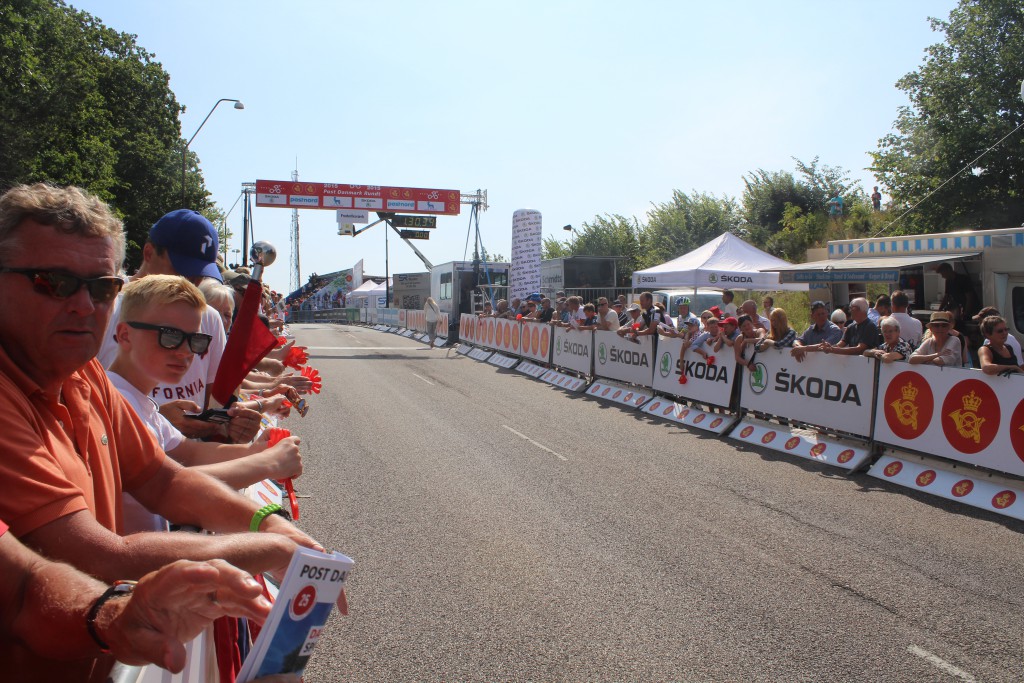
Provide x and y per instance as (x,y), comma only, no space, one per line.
(726,262)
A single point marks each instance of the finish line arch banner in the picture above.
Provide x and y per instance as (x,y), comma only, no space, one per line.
(827,390)
(704,383)
(619,358)
(956,413)
(573,350)
(535,342)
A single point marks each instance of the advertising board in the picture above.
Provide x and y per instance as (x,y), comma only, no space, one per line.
(619,358)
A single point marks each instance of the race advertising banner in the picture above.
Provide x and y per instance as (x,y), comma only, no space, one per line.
(293,194)
(619,358)
(467,328)
(535,343)
(956,413)
(524,275)
(500,334)
(707,383)
(828,390)
(573,349)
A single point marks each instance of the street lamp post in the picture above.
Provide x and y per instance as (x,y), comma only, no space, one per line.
(184,151)
(572,231)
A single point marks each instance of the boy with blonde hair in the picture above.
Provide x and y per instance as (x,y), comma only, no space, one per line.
(157,337)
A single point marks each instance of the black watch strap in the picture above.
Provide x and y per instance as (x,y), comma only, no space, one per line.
(119,589)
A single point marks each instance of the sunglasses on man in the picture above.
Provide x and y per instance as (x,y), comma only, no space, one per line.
(63,285)
(172,337)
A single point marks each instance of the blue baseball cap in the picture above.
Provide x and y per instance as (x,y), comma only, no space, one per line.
(534,297)
(191,243)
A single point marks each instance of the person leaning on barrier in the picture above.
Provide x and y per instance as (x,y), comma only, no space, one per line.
(589,321)
(545,313)
(893,347)
(1011,341)
(619,309)
(488,310)
(839,318)
(705,342)
(781,335)
(502,310)
(607,320)
(821,330)
(749,309)
(860,335)
(635,317)
(60,613)
(996,356)
(749,336)
(729,333)
(71,444)
(939,346)
(650,316)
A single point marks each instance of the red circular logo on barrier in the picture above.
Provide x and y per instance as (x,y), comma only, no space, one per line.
(628,397)
(746,431)
(682,415)
(606,390)
(768,438)
(535,341)
(714,423)
(893,468)
(817,449)
(668,410)
(656,405)
(1017,430)
(970,416)
(543,341)
(962,488)
(594,389)
(845,457)
(792,443)
(1004,499)
(640,399)
(925,478)
(908,405)
(490,331)
(700,418)
(616,394)
(514,333)
(304,601)
(498,334)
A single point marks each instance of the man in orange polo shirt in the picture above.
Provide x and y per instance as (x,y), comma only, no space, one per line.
(71,444)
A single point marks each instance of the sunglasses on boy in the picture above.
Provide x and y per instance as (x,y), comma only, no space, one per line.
(62,285)
(172,337)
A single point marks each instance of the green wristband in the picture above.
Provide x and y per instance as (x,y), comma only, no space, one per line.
(263,513)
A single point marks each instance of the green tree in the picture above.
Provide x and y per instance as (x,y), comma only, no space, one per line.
(83,104)
(964,98)
(685,223)
(611,235)
(554,248)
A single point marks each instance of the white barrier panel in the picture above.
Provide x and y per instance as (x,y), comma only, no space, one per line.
(389,316)
(686,415)
(528,368)
(559,379)
(467,328)
(464,349)
(403,318)
(616,357)
(416,320)
(573,350)
(961,486)
(828,390)
(502,361)
(955,413)
(705,383)
(507,334)
(364,315)
(802,443)
(627,396)
(535,343)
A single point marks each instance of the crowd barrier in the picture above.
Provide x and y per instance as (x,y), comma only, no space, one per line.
(856,407)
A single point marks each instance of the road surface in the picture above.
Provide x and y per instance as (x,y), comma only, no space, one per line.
(505,530)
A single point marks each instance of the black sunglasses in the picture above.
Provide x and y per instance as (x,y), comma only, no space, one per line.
(172,337)
(62,285)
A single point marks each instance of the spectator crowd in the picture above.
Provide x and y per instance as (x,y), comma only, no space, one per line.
(116,450)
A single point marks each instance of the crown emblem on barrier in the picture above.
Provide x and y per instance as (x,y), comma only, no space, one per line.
(905,407)
(968,422)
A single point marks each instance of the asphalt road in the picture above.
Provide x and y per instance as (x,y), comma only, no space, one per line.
(505,530)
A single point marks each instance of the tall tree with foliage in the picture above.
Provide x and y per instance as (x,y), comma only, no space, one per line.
(964,98)
(685,223)
(83,104)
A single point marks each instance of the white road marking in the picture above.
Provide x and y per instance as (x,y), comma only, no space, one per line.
(941,664)
(538,445)
(424,379)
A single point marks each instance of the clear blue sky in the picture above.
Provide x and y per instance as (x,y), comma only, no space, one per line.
(573,108)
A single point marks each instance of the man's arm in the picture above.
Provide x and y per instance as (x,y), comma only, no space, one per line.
(280,461)
(80,540)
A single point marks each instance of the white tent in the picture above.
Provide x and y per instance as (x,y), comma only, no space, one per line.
(368,295)
(726,262)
